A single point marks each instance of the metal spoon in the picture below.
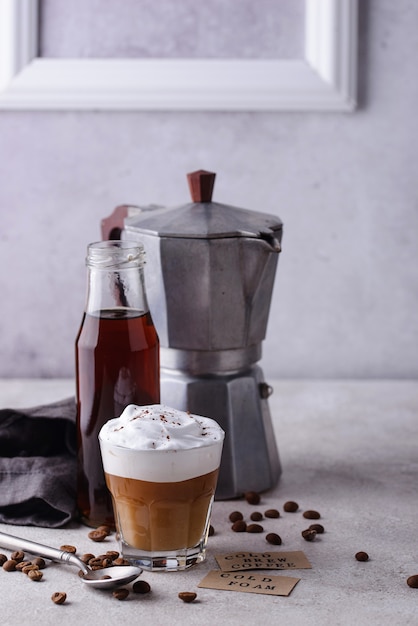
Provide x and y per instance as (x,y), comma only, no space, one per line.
(114,576)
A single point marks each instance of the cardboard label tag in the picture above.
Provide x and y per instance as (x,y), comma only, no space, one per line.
(262,560)
(275,585)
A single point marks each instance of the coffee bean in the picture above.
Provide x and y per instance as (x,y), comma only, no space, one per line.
(412,581)
(29,568)
(97,535)
(311,515)
(318,527)
(96,562)
(39,561)
(17,556)
(252,497)
(272,513)
(211,531)
(235,516)
(105,529)
(9,565)
(88,557)
(104,577)
(274,539)
(35,575)
(20,566)
(121,594)
(254,528)
(362,556)
(187,596)
(141,586)
(256,516)
(68,548)
(290,506)
(3,559)
(59,597)
(309,534)
(121,561)
(112,554)
(239,526)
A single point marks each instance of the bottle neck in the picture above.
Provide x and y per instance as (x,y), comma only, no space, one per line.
(115,278)
(121,290)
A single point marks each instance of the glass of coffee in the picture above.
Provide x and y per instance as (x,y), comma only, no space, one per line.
(161,467)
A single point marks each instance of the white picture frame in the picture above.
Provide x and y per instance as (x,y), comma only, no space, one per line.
(324,80)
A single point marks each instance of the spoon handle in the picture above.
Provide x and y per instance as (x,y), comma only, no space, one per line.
(54,554)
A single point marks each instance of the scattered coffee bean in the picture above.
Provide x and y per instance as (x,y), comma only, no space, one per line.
(35,575)
(112,554)
(39,561)
(59,597)
(121,594)
(30,568)
(309,534)
(256,516)
(141,586)
(290,506)
(121,561)
(17,556)
(311,515)
(318,527)
(274,539)
(254,528)
(211,531)
(20,566)
(272,513)
(252,497)
(88,557)
(96,562)
(187,596)
(412,581)
(3,559)
(239,526)
(235,516)
(362,556)
(105,529)
(68,548)
(9,565)
(97,535)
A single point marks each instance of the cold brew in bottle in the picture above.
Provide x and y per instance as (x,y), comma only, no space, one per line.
(117,362)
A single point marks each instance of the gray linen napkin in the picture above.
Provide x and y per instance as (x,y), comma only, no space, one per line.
(38,465)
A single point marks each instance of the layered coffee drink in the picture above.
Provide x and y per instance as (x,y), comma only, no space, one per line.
(161,467)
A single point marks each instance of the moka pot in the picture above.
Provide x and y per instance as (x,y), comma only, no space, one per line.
(209,278)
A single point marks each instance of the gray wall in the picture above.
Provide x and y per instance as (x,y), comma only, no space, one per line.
(345,185)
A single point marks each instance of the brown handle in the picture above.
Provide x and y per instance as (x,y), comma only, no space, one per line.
(201,185)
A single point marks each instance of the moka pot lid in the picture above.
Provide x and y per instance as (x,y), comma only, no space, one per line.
(204,219)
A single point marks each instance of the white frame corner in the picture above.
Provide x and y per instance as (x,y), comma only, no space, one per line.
(324,80)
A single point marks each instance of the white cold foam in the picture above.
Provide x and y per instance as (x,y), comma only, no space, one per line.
(159,427)
(160,444)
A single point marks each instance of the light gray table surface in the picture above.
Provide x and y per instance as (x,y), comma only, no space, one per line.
(348,449)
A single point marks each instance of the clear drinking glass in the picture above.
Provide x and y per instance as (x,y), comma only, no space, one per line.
(162,499)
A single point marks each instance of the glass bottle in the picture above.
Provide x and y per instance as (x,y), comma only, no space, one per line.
(117,362)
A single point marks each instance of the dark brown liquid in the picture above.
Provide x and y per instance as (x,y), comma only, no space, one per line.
(157,517)
(117,363)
